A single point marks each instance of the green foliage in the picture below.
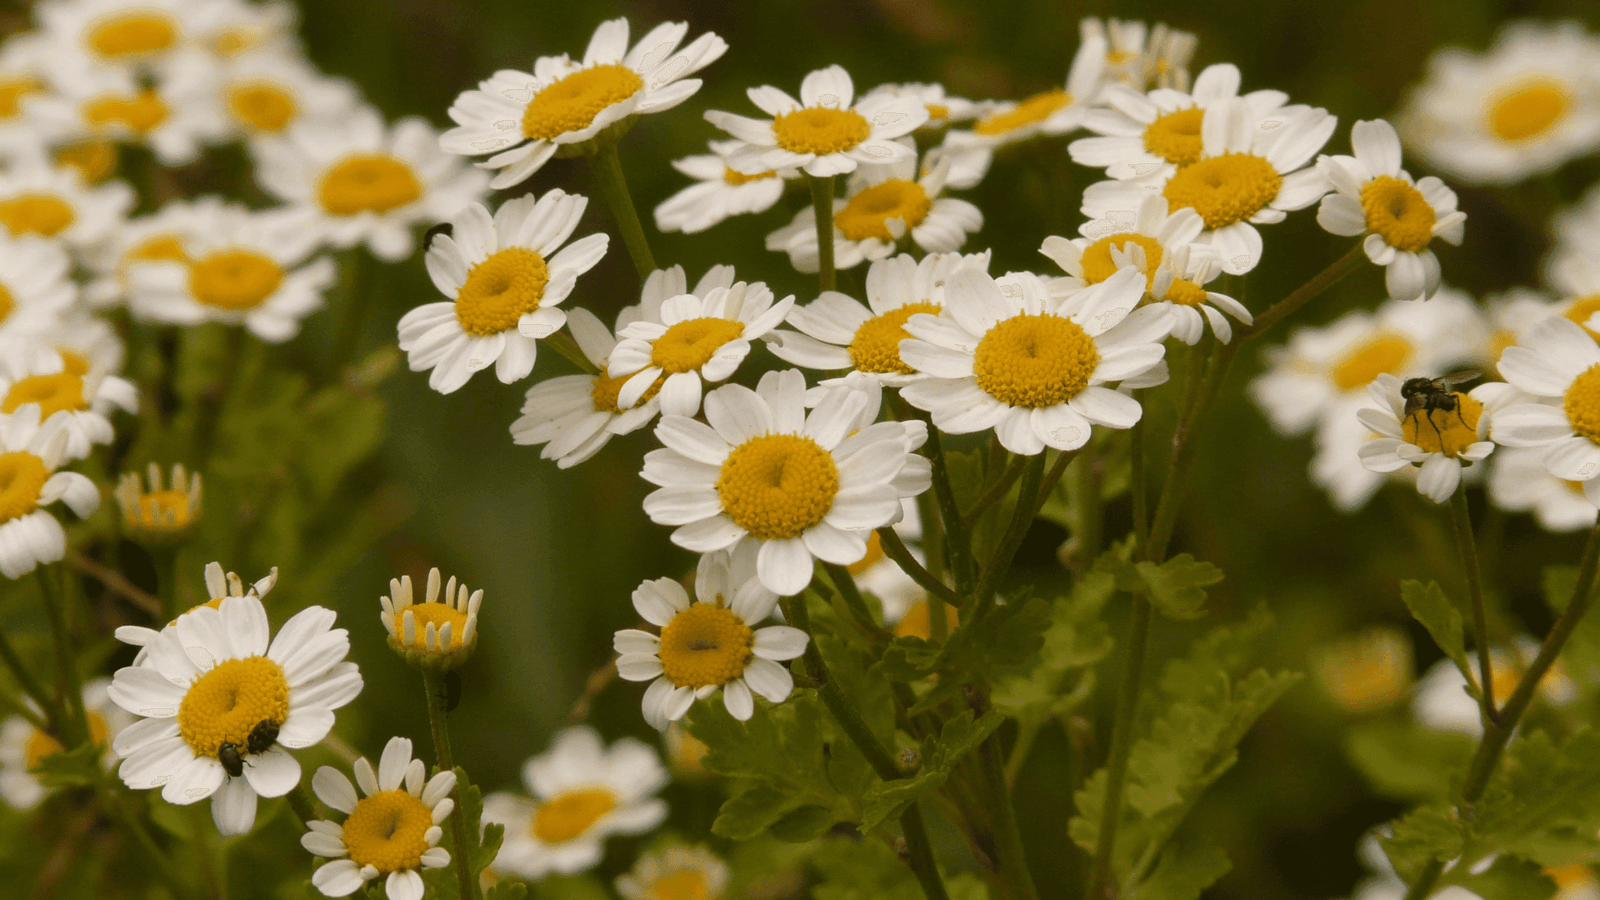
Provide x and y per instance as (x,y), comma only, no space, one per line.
(959,736)
(1406,761)
(1076,639)
(1509,879)
(969,478)
(444,882)
(1426,833)
(1183,872)
(72,768)
(1543,803)
(1433,609)
(1176,587)
(567,887)
(507,890)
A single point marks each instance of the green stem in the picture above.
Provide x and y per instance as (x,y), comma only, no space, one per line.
(31,687)
(613,187)
(156,858)
(75,731)
(845,584)
(1000,564)
(1319,282)
(822,207)
(1008,836)
(1086,475)
(301,801)
(562,343)
(1183,443)
(1138,487)
(955,535)
(1121,743)
(996,491)
(1461,516)
(165,559)
(359,269)
(433,685)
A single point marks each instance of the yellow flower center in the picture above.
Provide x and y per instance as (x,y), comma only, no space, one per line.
(1224,189)
(227,702)
(1398,213)
(439,615)
(95,160)
(876,344)
(1175,137)
(1381,354)
(141,113)
(1580,311)
(12,90)
(41,744)
(1098,264)
(234,279)
(1034,109)
(705,645)
(1570,876)
(684,884)
(1185,292)
(22,477)
(777,485)
(605,391)
(1442,430)
(1529,109)
(262,105)
(160,509)
(368,183)
(569,815)
(820,131)
(42,214)
(8,303)
(1035,361)
(234,40)
(1367,673)
(868,213)
(53,393)
(133,32)
(918,622)
(1582,403)
(571,103)
(869,558)
(160,247)
(388,831)
(500,290)
(690,344)
(936,112)
(736,178)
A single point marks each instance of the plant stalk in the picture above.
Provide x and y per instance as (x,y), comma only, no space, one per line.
(438,697)
(1461,516)
(822,207)
(1138,644)
(613,187)
(74,731)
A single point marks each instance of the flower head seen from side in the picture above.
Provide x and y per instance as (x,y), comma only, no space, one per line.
(574,416)
(676,873)
(526,118)
(390,830)
(29,457)
(765,475)
(837,331)
(157,510)
(581,793)
(719,192)
(1005,356)
(1556,363)
(1058,110)
(708,644)
(822,132)
(437,632)
(1140,56)
(1373,196)
(506,276)
(220,586)
(23,746)
(223,705)
(1422,424)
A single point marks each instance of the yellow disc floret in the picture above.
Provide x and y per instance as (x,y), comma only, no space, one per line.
(1529,109)
(12,90)
(1098,265)
(227,702)
(130,33)
(876,344)
(684,884)
(500,290)
(778,485)
(1444,430)
(1185,293)
(705,645)
(22,477)
(1175,137)
(1398,213)
(1382,354)
(141,113)
(388,831)
(1030,111)
(1582,403)
(1224,189)
(690,344)
(1035,361)
(820,131)
(868,213)
(160,509)
(8,303)
(234,279)
(438,615)
(262,105)
(43,214)
(571,103)
(373,183)
(53,393)
(571,814)
(606,389)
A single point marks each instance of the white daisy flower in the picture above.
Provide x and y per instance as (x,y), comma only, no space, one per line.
(1336,466)
(1005,356)
(708,644)
(223,706)
(115,33)
(432,633)
(943,108)
(1573,266)
(719,191)
(582,792)
(55,203)
(163,236)
(766,474)
(690,340)
(1556,362)
(1519,482)
(524,119)
(505,280)
(1375,197)
(1056,111)
(1443,704)
(1141,57)
(31,114)
(23,746)
(822,132)
(263,94)
(174,117)
(1512,313)
(1529,104)
(882,206)
(366,182)
(392,829)
(967,165)
(228,29)
(243,268)
(676,873)
(220,586)
(74,394)
(1151,135)
(159,511)
(839,332)
(575,415)
(36,287)
(29,457)
(1440,442)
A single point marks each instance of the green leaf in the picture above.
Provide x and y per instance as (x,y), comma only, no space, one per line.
(1076,639)
(70,768)
(1424,834)
(570,887)
(1543,802)
(444,882)
(1433,609)
(862,870)
(1406,761)
(1182,873)
(1510,879)
(959,736)
(1177,587)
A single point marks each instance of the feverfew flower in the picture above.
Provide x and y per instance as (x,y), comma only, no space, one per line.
(505,279)
(114,33)
(1556,362)
(1519,482)
(676,873)
(1140,57)
(943,109)
(220,586)
(162,236)
(435,633)
(263,94)
(766,475)
(392,830)
(36,287)
(719,191)
(223,706)
(709,644)
(1439,441)
(74,393)
(822,132)
(576,415)
(36,199)
(154,513)
(1056,111)
(524,119)
(1573,266)
(1375,197)
(23,746)
(173,117)
(29,457)
(1368,671)
(582,792)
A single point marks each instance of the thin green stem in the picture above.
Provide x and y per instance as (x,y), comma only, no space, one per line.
(359,269)
(1000,563)
(1121,743)
(845,584)
(1008,836)
(1461,516)
(304,806)
(1183,444)
(822,207)
(1138,486)
(438,698)
(30,686)
(1048,486)
(895,548)
(613,188)
(562,343)
(1087,522)
(996,491)
(74,731)
(955,534)
(1302,295)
